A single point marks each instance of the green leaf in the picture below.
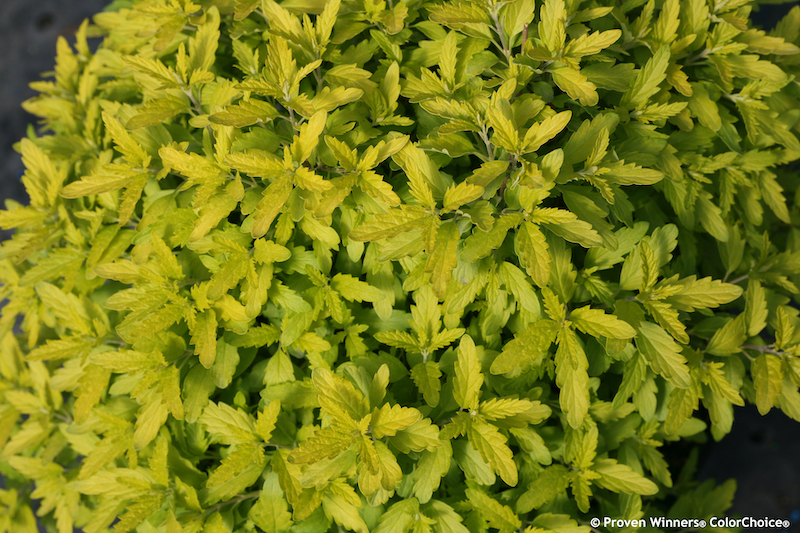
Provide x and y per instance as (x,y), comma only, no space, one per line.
(755,310)
(388,420)
(418,167)
(533,253)
(648,80)
(767,380)
(240,457)
(505,134)
(431,468)
(621,478)
(552,29)
(457,195)
(663,354)
(228,425)
(481,243)
(271,512)
(442,259)
(598,324)
(527,349)
(499,516)
(399,517)
(354,290)
(682,403)
(265,423)
(245,113)
(575,84)
(592,43)
(729,338)
(702,293)
(308,138)
(714,377)
(426,378)
(572,377)
(491,444)
(550,483)
(541,132)
(446,520)
(468,377)
(710,217)
(457,13)
(157,111)
(517,283)
(341,503)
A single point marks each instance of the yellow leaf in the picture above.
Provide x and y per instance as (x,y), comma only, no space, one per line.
(533,252)
(442,260)
(388,420)
(491,444)
(457,195)
(575,84)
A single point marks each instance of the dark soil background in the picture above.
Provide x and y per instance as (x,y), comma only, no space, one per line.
(761,453)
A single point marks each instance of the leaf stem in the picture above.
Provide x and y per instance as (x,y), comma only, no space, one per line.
(236,500)
(498,29)
(740,278)
(769,348)
(484,135)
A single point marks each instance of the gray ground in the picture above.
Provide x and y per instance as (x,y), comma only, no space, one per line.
(762,453)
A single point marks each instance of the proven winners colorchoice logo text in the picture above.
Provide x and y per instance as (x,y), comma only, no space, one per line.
(662,522)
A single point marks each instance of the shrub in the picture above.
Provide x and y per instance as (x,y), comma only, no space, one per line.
(417,265)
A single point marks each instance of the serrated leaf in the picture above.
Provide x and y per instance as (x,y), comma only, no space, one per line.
(553,481)
(417,166)
(575,84)
(157,111)
(463,193)
(703,293)
(728,339)
(353,289)
(552,29)
(592,43)
(338,393)
(388,420)
(491,444)
(767,380)
(271,512)
(527,349)
(534,255)
(541,132)
(240,457)
(755,310)
(426,378)
(499,516)
(265,423)
(505,134)
(597,323)
(442,259)
(714,377)
(621,478)
(399,517)
(228,425)
(682,403)
(468,377)
(663,354)
(245,113)
(431,468)
(648,80)
(572,377)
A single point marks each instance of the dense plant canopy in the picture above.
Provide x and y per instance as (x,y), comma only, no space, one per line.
(440,266)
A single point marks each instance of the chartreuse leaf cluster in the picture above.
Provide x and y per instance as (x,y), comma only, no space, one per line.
(441,266)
